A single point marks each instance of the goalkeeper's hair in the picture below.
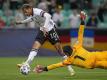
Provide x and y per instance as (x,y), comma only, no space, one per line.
(68,50)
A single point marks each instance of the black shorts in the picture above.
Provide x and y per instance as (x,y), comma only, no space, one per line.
(52,37)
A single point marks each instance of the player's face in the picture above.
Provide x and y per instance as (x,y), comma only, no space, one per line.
(27,12)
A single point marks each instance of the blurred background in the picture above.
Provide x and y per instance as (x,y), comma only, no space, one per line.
(17,40)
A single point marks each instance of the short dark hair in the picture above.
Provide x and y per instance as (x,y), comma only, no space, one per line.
(26,6)
(67,50)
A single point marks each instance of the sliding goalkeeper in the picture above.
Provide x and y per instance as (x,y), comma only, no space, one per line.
(79,56)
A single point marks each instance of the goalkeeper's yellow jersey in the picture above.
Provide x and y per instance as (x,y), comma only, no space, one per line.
(80,57)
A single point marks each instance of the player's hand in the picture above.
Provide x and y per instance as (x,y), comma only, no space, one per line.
(18,22)
(38,69)
(83,15)
(45,31)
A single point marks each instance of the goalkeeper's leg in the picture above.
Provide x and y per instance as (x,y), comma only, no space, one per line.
(101,64)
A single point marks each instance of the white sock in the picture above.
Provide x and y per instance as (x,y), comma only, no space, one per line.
(31,56)
(69,66)
(65,57)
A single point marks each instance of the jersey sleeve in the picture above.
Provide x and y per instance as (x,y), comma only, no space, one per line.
(68,61)
(29,19)
(80,35)
(44,14)
(54,66)
(39,12)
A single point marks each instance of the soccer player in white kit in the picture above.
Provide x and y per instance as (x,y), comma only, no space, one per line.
(46,32)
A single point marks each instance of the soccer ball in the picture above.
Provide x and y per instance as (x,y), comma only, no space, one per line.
(25,69)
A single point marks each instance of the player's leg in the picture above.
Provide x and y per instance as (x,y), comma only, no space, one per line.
(33,52)
(101,64)
(101,55)
(54,39)
(60,51)
(40,39)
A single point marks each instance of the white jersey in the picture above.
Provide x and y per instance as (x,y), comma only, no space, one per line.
(41,18)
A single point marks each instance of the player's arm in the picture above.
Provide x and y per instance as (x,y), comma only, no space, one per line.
(54,66)
(47,19)
(40,68)
(81,33)
(44,14)
(29,19)
(60,64)
(81,28)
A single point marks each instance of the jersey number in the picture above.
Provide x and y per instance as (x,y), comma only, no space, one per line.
(79,57)
(54,35)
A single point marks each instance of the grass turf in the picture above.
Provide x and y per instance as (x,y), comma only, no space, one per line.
(9,71)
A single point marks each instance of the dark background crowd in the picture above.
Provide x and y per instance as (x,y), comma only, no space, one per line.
(64,12)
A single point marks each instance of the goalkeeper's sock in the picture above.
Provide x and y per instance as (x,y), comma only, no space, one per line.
(31,56)
(70,69)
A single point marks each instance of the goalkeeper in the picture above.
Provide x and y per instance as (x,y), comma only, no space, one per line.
(79,56)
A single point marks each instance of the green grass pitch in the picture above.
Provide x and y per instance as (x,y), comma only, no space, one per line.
(9,71)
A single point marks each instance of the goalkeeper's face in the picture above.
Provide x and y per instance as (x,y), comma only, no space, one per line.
(68,50)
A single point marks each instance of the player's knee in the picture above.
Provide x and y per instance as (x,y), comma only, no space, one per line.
(58,46)
(36,45)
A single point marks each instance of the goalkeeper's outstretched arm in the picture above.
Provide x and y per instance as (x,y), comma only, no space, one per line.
(40,68)
(66,62)
(54,66)
(81,28)
(81,33)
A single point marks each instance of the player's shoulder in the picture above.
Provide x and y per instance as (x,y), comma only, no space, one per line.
(77,45)
(37,10)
